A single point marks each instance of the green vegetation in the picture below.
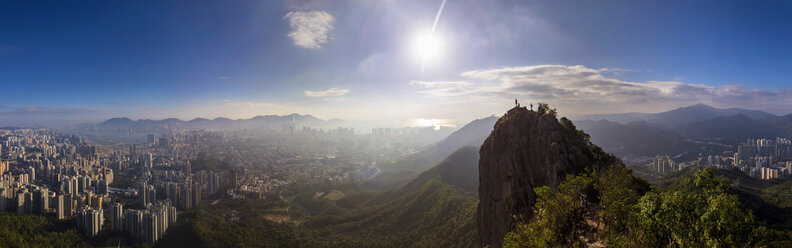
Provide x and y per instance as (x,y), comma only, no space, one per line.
(122,181)
(702,214)
(430,211)
(556,216)
(780,195)
(36,231)
(237,223)
(700,211)
(430,214)
(547,108)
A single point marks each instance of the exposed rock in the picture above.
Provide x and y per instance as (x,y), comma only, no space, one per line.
(524,151)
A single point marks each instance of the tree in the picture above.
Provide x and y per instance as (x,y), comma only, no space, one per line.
(555,216)
(701,214)
(547,108)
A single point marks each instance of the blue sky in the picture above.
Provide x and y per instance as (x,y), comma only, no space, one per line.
(356,59)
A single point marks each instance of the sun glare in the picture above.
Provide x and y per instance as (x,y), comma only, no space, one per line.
(435,123)
(427,47)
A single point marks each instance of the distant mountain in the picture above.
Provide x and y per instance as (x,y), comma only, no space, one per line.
(623,118)
(701,112)
(267,121)
(401,171)
(680,116)
(783,123)
(734,129)
(636,138)
(117,122)
(472,134)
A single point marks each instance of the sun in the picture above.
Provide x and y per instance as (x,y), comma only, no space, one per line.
(427,47)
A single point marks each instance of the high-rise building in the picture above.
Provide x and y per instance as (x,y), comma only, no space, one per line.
(172,192)
(132,150)
(102,187)
(117,215)
(187,168)
(162,218)
(171,214)
(150,227)
(4,199)
(214,181)
(736,159)
(61,209)
(96,201)
(20,199)
(40,201)
(151,195)
(196,194)
(148,160)
(28,202)
(185,200)
(164,142)
(31,174)
(664,164)
(232,178)
(134,223)
(90,220)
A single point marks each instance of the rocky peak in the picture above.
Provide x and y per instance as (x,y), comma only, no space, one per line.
(525,150)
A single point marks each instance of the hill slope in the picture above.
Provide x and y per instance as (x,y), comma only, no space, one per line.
(636,138)
(404,170)
(734,128)
(435,209)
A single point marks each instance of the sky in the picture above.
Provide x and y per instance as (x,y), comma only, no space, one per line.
(386,62)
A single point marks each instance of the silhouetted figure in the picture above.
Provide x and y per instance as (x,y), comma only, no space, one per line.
(531,106)
(516,103)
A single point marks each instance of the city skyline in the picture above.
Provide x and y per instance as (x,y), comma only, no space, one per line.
(371,60)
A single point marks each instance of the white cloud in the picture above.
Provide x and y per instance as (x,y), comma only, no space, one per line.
(448,88)
(309,29)
(325,93)
(581,90)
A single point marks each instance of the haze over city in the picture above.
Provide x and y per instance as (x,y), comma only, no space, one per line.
(395,123)
(376,61)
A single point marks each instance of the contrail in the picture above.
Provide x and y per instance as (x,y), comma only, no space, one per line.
(431,34)
(437,18)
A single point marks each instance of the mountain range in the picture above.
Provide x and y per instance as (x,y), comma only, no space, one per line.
(680,116)
(674,132)
(266,121)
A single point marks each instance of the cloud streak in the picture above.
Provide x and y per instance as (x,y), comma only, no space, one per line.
(326,93)
(310,29)
(581,90)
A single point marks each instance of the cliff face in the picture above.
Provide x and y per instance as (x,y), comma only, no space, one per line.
(526,150)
